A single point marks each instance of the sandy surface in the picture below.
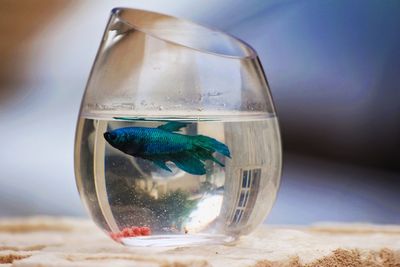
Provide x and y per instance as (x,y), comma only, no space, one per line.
(48,241)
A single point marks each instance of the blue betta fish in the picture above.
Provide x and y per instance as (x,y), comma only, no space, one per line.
(161,145)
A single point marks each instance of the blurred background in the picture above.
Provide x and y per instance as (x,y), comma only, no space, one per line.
(334,71)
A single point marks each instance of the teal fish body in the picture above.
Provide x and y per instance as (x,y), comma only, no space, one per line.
(162,144)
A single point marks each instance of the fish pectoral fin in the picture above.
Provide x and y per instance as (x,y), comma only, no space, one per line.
(162,165)
(189,163)
(173,126)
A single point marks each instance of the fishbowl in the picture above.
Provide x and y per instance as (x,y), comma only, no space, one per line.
(177,141)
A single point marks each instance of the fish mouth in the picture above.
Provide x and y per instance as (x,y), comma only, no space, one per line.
(107,136)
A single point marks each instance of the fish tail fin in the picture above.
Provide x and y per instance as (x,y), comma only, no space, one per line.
(211,145)
(204,154)
(193,160)
(189,162)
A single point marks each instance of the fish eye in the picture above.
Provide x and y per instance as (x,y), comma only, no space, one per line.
(110,136)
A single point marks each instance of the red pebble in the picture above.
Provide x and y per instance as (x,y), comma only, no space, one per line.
(145,230)
(131,232)
(136,230)
(115,236)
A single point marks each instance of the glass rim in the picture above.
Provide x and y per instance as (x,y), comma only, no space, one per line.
(248,51)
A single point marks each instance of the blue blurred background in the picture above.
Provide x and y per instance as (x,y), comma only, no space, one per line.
(334,71)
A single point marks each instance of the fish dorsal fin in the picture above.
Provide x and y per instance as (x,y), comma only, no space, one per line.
(172,126)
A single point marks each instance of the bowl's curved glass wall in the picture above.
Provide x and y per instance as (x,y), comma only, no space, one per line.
(147,55)
(152,69)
